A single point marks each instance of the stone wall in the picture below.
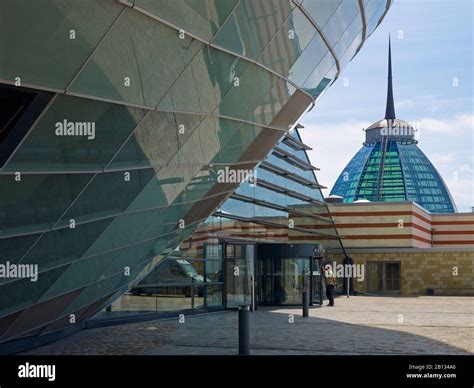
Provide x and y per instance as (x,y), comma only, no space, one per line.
(448,272)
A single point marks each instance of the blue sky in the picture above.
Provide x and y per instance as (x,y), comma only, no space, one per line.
(432,59)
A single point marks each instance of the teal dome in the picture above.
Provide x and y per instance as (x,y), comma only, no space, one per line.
(394,171)
(391,167)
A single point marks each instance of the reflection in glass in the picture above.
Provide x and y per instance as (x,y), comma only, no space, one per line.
(240,272)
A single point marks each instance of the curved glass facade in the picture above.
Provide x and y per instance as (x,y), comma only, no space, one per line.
(280,207)
(127,109)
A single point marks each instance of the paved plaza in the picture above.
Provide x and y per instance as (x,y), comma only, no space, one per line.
(357,325)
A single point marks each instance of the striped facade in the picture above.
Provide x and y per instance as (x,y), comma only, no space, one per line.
(434,252)
(401,224)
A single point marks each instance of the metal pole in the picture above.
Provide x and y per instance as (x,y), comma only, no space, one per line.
(305,303)
(244,330)
(348,285)
(252,290)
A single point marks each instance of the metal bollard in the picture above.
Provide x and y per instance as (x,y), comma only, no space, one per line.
(305,304)
(252,294)
(244,330)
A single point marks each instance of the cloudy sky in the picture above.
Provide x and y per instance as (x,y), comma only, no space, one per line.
(432,59)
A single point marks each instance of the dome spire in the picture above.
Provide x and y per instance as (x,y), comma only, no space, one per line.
(390,109)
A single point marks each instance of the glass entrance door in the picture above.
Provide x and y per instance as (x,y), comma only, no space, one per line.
(240,273)
(264,281)
(289,276)
(316,284)
(281,280)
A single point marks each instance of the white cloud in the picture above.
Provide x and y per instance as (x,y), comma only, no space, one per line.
(430,104)
(333,146)
(457,124)
(405,104)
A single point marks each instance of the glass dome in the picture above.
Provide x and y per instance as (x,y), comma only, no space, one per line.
(404,174)
(391,167)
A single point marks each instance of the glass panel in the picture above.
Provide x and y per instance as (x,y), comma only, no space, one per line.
(44,52)
(374,11)
(65,245)
(76,134)
(316,82)
(288,280)
(111,194)
(347,183)
(240,271)
(311,57)
(251,99)
(156,141)
(175,271)
(200,17)
(115,280)
(155,298)
(293,37)
(204,83)
(23,293)
(12,249)
(37,201)
(316,285)
(265,281)
(214,296)
(340,21)
(354,28)
(198,298)
(20,109)
(214,271)
(143,74)
(320,11)
(252,26)
(423,183)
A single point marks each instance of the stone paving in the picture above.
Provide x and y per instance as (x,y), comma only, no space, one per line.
(358,325)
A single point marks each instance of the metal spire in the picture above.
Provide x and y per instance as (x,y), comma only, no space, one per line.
(390,109)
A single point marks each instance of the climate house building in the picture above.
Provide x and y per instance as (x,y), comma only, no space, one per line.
(115,115)
(262,246)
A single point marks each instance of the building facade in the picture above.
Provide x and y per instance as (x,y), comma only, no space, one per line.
(405,249)
(115,115)
(262,245)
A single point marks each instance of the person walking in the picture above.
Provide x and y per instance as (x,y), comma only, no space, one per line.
(330,281)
